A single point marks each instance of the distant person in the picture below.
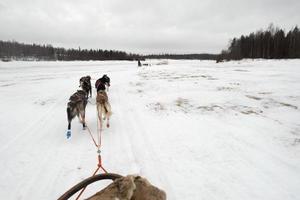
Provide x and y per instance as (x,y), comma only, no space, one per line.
(139,63)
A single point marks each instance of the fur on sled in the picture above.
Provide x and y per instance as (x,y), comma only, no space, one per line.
(130,187)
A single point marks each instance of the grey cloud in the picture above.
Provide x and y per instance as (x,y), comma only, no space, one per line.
(143,26)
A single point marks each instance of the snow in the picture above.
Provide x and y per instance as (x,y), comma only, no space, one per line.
(197,129)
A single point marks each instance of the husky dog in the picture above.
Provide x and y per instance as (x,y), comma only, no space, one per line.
(85,84)
(76,106)
(103,106)
(105,80)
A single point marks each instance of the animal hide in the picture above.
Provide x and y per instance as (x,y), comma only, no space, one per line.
(130,188)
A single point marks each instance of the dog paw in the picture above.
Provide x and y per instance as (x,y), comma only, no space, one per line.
(68,134)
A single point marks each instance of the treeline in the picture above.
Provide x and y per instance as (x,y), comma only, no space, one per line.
(12,50)
(20,51)
(183,56)
(272,43)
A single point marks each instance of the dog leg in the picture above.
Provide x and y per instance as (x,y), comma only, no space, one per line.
(69,116)
(101,115)
(107,122)
(107,113)
(82,114)
(99,108)
(69,122)
(90,90)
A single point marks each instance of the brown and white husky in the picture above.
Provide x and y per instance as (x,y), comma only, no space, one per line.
(103,107)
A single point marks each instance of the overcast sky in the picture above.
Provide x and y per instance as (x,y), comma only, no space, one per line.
(142,26)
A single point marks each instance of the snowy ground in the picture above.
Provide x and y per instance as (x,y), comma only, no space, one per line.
(197,129)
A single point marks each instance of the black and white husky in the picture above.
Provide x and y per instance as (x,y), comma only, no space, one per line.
(103,81)
(76,107)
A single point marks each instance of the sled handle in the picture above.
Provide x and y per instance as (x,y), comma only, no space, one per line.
(86,182)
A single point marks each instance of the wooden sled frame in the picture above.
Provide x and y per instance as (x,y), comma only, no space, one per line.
(88,181)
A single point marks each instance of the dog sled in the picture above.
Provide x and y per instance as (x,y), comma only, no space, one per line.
(107,176)
(129,187)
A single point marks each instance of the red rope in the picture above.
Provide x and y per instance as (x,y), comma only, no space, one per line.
(89,131)
(99,127)
(79,195)
(99,165)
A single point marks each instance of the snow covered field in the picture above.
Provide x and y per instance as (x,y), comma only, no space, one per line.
(197,129)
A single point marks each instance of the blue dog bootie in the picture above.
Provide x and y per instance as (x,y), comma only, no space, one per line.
(68,134)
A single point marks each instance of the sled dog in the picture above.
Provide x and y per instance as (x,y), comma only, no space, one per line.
(103,106)
(76,107)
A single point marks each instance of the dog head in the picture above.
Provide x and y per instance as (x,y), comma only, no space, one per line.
(106,80)
(85,79)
